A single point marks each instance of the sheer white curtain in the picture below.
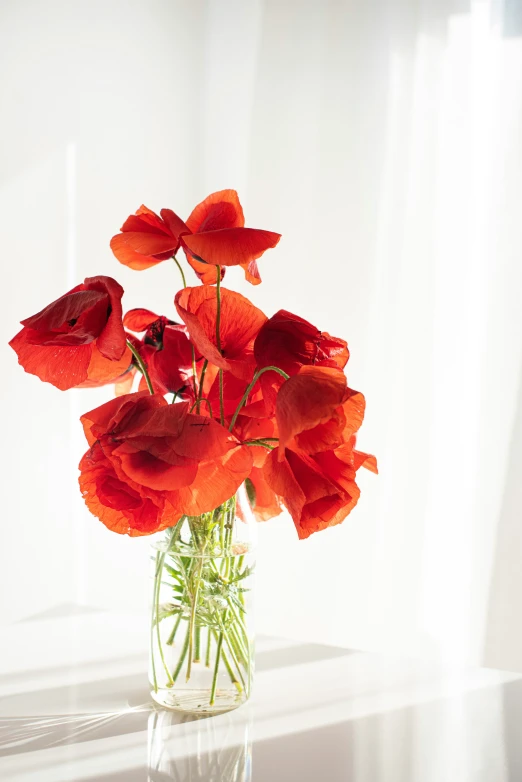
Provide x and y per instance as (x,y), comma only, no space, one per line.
(383,140)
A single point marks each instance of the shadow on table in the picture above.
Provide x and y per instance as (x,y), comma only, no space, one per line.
(107,707)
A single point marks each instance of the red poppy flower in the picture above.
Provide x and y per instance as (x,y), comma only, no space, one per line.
(166,351)
(313,500)
(147,239)
(314,470)
(213,235)
(77,338)
(290,342)
(319,491)
(240,322)
(123,506)
(182,463)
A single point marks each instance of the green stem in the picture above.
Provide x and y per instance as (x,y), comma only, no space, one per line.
(232,650)
(152,655)
(141,365)
(216,668)
(170,639)
(207,402)
(221,401)
(193,610)
(160,559)
(209,643)
(180,270)
(201,379)
(182,656)
(218,306)
(197,644)
(249,390)
(194,373)
(218,342)
(235,681)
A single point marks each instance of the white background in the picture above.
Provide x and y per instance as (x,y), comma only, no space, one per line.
(383,140)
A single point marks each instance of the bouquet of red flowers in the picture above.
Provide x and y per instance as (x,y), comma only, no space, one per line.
(226,398)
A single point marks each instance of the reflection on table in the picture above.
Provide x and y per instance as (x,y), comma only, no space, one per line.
(74,705)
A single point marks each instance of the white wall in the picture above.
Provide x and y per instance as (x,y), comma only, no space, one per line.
(383,140)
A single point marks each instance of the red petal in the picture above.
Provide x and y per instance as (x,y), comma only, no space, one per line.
(251,272)
(218,210)
(215,482)
(139,319)
(144,220)
(64,367)
(171,366)
(148,470)
(174,224)
(229,246)
(280,478)
(306,400)
(240,322)
(149,243)
(69,307)
(112,341)
(102,370)
(130,257)
(205,272)
(119,505)
(108,417)
(289,342)
(365,460)
(343,424)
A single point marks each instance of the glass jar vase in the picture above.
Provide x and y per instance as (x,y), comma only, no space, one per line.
(202,637)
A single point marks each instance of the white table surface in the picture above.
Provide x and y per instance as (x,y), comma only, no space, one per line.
(75,706)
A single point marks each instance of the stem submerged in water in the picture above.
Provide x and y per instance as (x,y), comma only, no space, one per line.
(202,581)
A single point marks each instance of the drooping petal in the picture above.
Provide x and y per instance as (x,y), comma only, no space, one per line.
(365,460)
(112,341)
(280,478)
(229,246)
(306,400)
(63,367)
(205,272)
(70,307)
(314,501)
(251,272)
